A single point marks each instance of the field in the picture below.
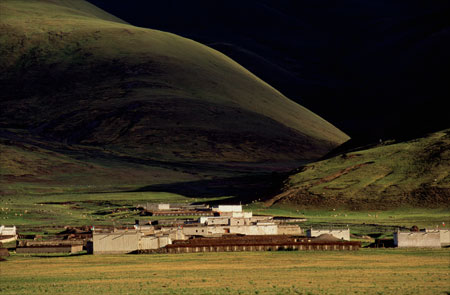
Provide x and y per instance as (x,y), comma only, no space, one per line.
(364,272)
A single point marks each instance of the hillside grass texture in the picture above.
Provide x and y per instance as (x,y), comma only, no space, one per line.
(74,73)
(413,173)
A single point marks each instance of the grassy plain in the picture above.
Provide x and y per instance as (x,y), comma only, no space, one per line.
(49,213)
(364,272)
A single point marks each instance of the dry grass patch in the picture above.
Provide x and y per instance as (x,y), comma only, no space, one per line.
(364,272)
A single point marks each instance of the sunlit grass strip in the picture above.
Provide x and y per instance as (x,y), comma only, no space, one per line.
(365,272)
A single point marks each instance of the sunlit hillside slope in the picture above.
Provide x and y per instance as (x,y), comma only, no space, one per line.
(74,74)
(413,173)
(80,83)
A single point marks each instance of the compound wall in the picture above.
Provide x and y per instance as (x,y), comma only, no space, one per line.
(116,242)
(417,239)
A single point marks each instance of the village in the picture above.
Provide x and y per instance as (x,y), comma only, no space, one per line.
(222,228)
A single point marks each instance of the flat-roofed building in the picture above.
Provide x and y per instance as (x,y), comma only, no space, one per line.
(227,208)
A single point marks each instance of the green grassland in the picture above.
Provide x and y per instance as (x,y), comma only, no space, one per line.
(362,272)
(399,217)
(98,115)
(47,214)
(409,174)
(50,213)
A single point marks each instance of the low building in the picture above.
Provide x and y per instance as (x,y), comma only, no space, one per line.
(8,234)
(227,208)
(8,231)
(417,239)
(247,215)
(57,246)
(342,234)
(235,243)
(128,241)
(256,229)
(214,220)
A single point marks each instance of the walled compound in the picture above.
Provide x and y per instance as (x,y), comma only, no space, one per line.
(227,220)
(417,239)
(426,238)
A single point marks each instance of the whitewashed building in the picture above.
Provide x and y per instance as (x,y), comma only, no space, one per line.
(227,208)
(8,234)
(8,231)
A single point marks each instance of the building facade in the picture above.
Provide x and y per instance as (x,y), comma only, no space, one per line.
(417,239)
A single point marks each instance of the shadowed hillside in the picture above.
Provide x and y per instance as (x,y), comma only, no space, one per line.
(413,173)
(372,68)
(84,84)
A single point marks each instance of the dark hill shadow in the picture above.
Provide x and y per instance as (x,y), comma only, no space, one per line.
(371,68)
(243,189)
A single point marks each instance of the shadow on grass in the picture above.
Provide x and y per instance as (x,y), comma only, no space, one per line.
(58,255)
(243,189)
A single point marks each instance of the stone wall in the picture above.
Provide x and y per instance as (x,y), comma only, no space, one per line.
(50,249)
(153,242)
(444,235)
(116,242)
(417,239)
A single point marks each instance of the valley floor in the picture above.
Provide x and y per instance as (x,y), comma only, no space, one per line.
(369,271)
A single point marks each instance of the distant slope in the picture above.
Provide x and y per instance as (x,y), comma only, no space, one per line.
(413,173)
(72,75)
(370,67)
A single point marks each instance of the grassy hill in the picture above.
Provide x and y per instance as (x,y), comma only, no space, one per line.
(371,68)
(413,173)
(83,90)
